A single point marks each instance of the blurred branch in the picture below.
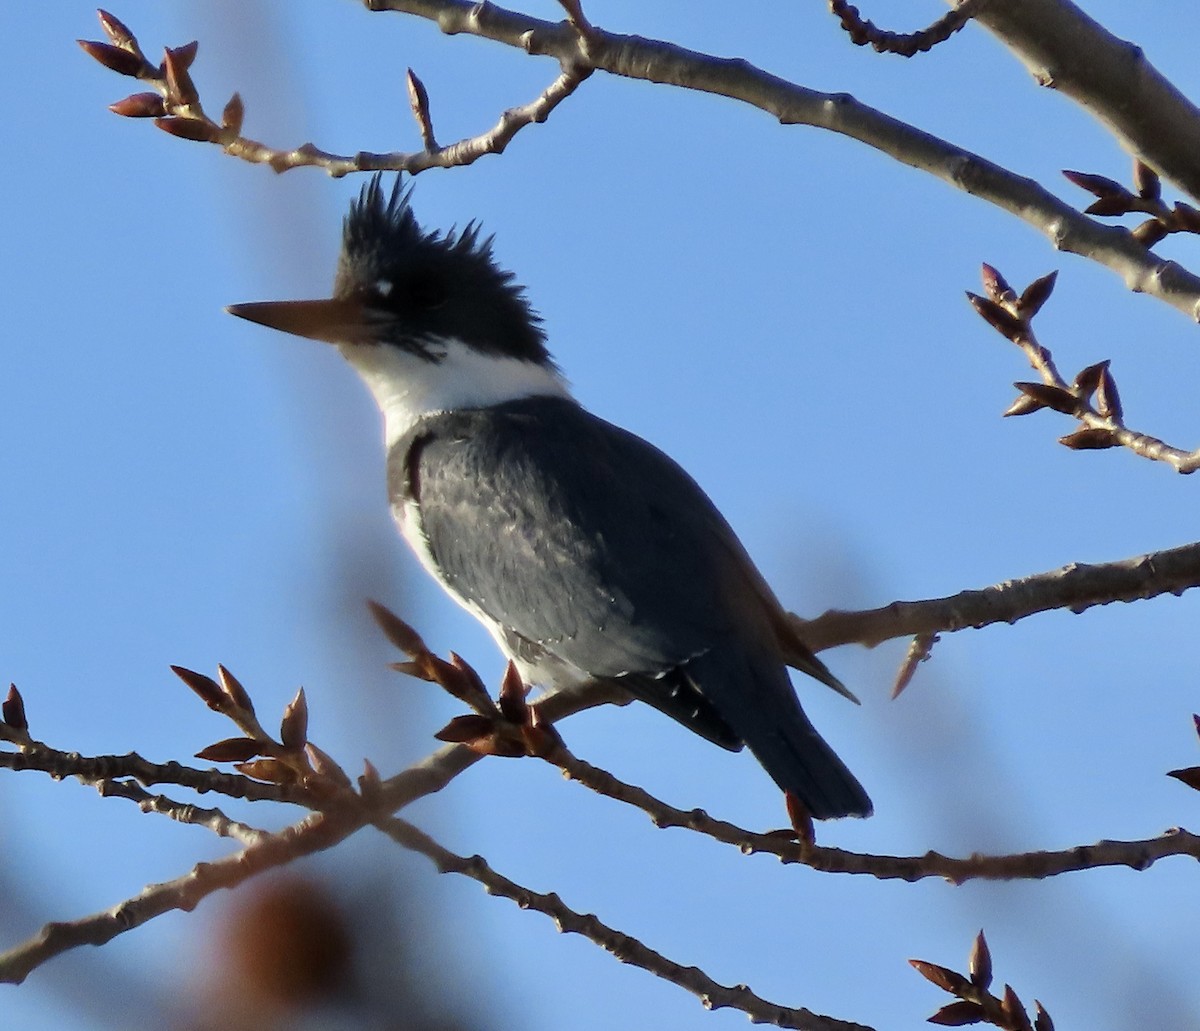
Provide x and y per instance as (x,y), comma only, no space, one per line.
(627,949)
(1075,587)
(313,834)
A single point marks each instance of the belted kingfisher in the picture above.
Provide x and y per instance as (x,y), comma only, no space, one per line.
(585,551)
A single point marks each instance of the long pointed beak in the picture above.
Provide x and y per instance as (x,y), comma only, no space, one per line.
(332,320)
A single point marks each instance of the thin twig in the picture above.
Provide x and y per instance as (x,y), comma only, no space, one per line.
(622,946)
(177,109)
(183,812)
(1092,398)
(864,32)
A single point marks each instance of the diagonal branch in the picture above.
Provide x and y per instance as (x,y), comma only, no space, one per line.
(313,834)
(625,948)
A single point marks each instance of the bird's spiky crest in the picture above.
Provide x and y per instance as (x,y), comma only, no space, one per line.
(381,235)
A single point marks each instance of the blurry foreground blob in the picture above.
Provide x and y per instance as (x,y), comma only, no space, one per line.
(281,954)
(586,552)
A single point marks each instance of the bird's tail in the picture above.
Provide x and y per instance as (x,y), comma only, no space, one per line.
(762,710)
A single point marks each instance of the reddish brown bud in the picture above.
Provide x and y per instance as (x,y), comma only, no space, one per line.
(114,58)
(13,709)
(1108,399)
(270,770)
(512,696)
(231,750)
(1052,397)
(958,1014)
(1146,181)
(1042,1021)
(1036,294)
(1014,1010)
(980,965)
(1111,205)
(476,693)
(1190,776)
(117,31)
(186,54)
(208,690)
(140,105)
(466,729)
(293,730)
(190,129)
(397,631)
(234,690)
(234,113)
(1089,439)
(180,87)
(325,765)
(994,284)
(1023,405)
(1087,382)
(945,978)
(1096,184)
(999,318)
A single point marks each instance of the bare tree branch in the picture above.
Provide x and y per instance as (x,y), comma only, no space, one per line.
(627,949)
(1076,587)
(654,60)
(1066,50)
(183,812)
(662,62)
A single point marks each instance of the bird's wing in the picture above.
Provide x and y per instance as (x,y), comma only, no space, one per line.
(576,535)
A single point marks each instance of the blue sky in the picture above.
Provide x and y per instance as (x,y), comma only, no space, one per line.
(779,308)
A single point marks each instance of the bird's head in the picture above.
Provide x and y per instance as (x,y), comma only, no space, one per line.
(401,286)
(428,319)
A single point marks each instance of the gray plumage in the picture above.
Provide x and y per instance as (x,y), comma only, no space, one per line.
(590,547)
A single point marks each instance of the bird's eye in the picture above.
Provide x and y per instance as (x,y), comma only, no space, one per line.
(426,292)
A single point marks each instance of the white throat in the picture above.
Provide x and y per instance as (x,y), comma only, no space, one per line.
(407,386)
